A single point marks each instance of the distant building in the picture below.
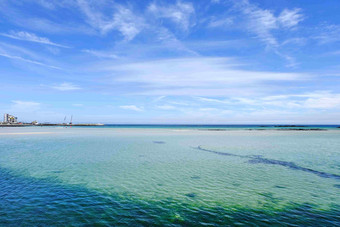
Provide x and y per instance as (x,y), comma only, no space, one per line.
(10,119)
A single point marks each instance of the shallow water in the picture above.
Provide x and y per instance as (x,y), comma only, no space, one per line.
(168,176)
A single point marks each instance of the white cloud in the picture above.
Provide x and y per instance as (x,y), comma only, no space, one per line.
(19,106)
(25,104)
(296,41)
(19,14)
(325,101)
(31,37)
(131,107)
(213,100)
(66,87)
(121,19)
(311,100)
(127,23)
(195,76)
(180,13)
(328,34)
(101,54)
(170,41)
(290,18)
(26,60)
(262,21)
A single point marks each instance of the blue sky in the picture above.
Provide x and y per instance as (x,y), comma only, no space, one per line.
(207,61)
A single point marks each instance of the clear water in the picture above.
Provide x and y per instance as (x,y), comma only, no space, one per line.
(168,176)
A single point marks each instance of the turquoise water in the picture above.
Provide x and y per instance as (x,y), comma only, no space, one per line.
(169,176)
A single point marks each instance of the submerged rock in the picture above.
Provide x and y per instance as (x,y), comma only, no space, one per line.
(191,195)
(278,186)
(158,142)
(302,129)
(290,126)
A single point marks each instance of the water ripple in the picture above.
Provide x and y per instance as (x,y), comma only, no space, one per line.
(28,202)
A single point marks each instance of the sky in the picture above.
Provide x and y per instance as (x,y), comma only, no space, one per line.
(171,62)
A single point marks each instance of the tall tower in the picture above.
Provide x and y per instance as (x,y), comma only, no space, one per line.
(6,118)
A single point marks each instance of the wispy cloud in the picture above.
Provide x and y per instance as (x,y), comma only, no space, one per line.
(132,107)
(313,100)
(310,100)
(262,21)
(181,13)
(327,101)
(66,87)
(27,60)
(290,18)
(31,37)
(101,54)
(194,76)
(213,100)
(327,33)
(18,106)
(25,104)
(122,19)
(21,16)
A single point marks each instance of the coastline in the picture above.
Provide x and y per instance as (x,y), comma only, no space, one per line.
(26,133)
(41,125)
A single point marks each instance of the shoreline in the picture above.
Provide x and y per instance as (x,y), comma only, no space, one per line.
(25,133)
(41,125)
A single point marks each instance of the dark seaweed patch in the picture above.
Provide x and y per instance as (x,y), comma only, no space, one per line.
(293,166)
(258,159)
(58,171)
(158,142)
(212,129)
(26,201)
(302,129)
(191,195)
(217,152)
(278,186)
(289,126)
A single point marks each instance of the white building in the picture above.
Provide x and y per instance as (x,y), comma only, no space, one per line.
(10,119)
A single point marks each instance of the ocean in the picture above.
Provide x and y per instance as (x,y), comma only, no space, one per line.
(172,175)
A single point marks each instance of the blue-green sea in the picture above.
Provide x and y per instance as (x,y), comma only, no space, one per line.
(175,175)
